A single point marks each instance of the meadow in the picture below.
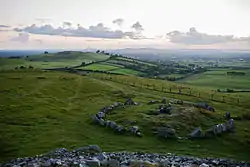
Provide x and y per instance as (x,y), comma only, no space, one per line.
(44,110)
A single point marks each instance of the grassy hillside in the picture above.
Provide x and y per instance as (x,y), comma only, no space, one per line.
(53,60)
(41,111)
(218,78)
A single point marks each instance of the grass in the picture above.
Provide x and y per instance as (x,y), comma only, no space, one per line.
(219,79)
(41,111)
(54,60)
(100,67)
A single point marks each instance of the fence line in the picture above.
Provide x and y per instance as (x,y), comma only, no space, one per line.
(171,89)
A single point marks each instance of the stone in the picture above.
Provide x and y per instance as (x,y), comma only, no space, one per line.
(113,125)
(108,123)
(227,115)
(209,132)
(230,125)
(101,122)
(89,149)
(95,119)
(224,127)
(134,129)
(153,102)
(166,132)
(204,165)
(120,129)
(197,133)
(101,115)
(129,101)
(164,100)
(102,157)
(218,129)
(113,163)
(93,163)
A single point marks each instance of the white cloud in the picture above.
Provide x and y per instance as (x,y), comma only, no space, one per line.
(96,31)
(193,37)
(118,21)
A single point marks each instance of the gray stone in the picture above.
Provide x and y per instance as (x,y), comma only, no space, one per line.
(120,128)
(101,115)
(218,129)
(93,163)
(129,101)
(197,133)
(204,165)
(166,132)
(89,149)
(230,125)
(228,115)
(113,125)
(101,122)
(113,163)
(101,156)
(95,119)
(164,100)
(108,123)
(209,132)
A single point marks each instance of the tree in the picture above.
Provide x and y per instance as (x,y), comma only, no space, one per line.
(98,51)
(46,52)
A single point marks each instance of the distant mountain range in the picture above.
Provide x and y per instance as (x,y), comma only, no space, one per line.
(134,51)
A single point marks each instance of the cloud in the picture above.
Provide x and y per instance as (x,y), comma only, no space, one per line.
(193,37)
(137,26)
(96,31)
(118,21)
(67,24)
(22,37)
(4,26)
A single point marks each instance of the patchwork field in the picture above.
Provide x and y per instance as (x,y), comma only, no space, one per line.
(54,60)
(218,78)
(41,111)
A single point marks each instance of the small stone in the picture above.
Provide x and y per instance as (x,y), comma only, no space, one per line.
(204,165)
(93,163)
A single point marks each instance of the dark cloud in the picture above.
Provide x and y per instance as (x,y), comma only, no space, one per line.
(193,37)
(22,37)
(4,26)
(118,21)
(97,31)
(137,26)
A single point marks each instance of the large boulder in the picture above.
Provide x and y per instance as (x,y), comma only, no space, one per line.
(101,122)
(197,133)
(166,132)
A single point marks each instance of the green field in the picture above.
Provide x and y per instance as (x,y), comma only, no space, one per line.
(99,67)
(53,60)
(41,111)
(216,79)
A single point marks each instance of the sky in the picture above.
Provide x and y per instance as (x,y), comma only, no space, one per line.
(112,24)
